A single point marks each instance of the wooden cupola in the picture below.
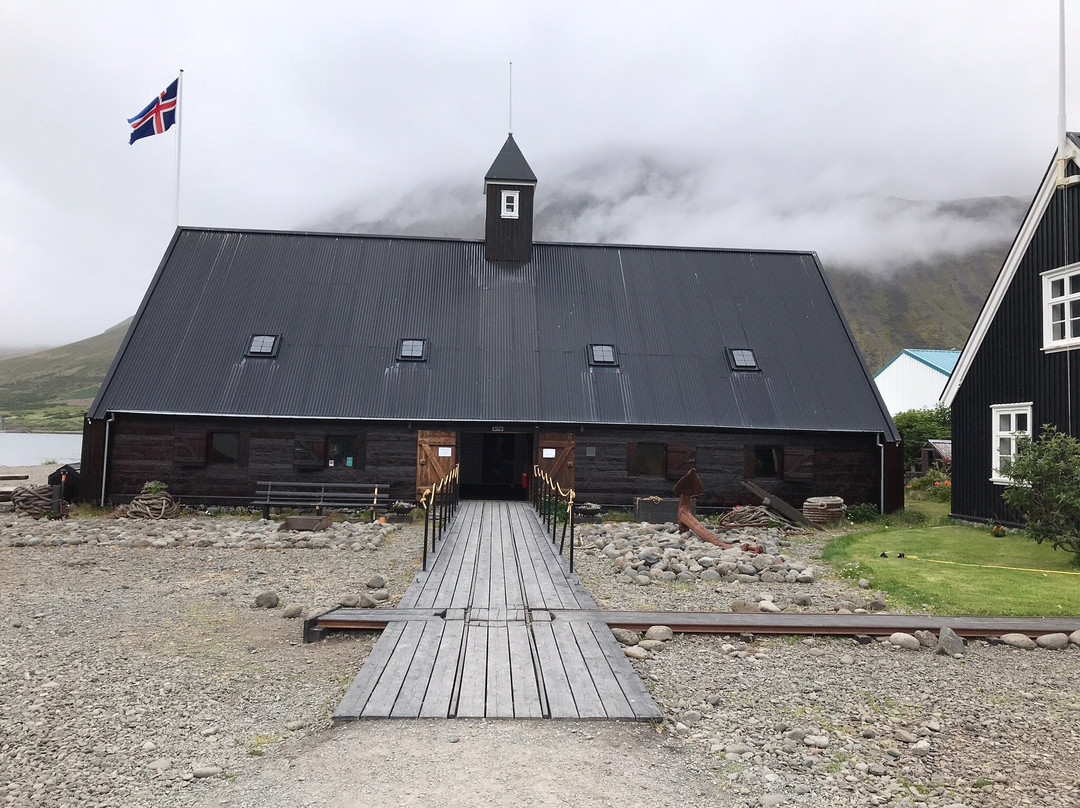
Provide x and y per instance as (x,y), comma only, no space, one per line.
(509,186)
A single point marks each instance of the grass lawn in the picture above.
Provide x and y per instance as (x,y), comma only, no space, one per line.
(917,582)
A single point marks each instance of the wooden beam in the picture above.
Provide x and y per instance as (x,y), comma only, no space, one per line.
(778,505)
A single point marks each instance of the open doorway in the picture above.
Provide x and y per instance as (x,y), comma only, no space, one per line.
(493,464)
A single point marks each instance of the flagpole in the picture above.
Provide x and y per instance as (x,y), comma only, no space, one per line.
(179,134)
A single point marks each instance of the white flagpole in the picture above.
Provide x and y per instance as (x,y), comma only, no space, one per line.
(179,134)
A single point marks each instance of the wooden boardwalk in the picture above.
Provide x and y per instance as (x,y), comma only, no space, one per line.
(478,635)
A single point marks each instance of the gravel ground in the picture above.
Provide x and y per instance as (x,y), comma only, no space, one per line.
(144,676)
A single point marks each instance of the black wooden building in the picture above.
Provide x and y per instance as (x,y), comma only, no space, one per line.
(319,356)
(1020,368)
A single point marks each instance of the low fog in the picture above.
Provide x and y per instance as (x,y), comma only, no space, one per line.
(838,126)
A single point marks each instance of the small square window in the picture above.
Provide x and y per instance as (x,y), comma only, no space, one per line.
(650,460)
(742,359)
(225,447)
(412,350)
(510,204)
(341,451)
(768,461)
(263,345)
(602,355)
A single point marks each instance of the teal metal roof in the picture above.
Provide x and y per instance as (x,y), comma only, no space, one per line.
(939,360)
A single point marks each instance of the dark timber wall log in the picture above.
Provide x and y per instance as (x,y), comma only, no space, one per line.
(177,451)
(612,466)
(810,464)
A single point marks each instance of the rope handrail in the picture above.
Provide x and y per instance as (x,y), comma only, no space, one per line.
(548,494)
(439,502)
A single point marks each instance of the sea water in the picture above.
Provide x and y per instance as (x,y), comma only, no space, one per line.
(36,448)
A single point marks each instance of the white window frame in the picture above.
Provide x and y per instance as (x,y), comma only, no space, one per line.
(997,434)
(1066,300)
(511,204)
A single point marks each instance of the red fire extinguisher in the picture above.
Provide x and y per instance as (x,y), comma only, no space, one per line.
(524,479)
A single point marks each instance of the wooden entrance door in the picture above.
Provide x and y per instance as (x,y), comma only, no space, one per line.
(555,455)
(436,456)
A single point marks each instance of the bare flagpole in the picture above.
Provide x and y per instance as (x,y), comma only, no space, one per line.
(510,111)
(179,134)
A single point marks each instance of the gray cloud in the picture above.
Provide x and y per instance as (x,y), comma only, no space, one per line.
(714,123)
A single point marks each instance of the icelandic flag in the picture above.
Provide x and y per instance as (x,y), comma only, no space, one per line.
(158,116)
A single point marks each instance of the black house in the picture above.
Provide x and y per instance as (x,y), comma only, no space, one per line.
(372,359)
(1020,367)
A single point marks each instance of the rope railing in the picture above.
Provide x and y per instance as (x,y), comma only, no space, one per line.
(555,505)
(440,503)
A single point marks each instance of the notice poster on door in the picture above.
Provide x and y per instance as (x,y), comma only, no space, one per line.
(446,451)
(549,454)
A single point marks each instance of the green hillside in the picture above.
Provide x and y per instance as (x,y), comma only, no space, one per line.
(923,305)
(51,389)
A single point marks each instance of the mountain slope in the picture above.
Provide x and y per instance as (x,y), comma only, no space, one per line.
(51,389)
(921,305)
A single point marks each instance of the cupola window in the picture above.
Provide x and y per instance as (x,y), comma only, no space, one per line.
(510,204)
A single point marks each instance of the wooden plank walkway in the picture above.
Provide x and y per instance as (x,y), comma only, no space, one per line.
(475,636)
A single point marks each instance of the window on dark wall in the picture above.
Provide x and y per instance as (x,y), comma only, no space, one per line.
(345,451)
(671,460)
(774,462)
(646,459)
(224,447)
(768,462)
(331,451)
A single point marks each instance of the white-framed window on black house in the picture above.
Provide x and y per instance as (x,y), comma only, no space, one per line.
(264,345)
(1009,422)
(603,355)
(511,202)
(1061,308)
(412,350)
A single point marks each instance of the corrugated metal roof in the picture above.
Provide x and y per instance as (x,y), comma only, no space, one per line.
(510,164)
(505,342)
(944,361)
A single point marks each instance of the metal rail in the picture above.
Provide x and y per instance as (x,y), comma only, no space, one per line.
(805,623)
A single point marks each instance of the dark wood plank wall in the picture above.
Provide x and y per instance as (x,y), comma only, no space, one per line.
(842,464)
(146,448)
(508,239)
(1011,367)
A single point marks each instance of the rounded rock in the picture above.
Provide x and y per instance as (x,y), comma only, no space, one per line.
(266,600)
(1018,641)
(662,633)
(905,640)
(1052,642)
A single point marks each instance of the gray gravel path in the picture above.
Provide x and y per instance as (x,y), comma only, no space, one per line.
(144,676)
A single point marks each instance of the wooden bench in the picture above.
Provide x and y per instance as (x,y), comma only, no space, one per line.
(283,494)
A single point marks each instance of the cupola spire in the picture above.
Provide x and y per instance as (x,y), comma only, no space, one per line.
(509,186)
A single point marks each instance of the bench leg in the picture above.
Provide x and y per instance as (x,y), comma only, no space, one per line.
(266,512)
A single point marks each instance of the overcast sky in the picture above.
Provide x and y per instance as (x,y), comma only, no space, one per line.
(774,124)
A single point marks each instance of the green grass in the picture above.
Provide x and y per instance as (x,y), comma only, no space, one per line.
(936,513)
(917,582)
